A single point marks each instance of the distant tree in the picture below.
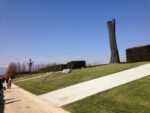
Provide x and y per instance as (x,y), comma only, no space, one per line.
(23,68)
(11,70)
(35,68)
(39,66)
(18,68)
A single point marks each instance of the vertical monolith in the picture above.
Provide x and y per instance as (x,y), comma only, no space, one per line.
(113,44)
(30,63)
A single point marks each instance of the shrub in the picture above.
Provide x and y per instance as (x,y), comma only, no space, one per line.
(137,54)
(59,67)
(55,67)
(76,64)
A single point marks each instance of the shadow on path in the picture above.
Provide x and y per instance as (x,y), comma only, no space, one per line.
(12,101)
(2,102)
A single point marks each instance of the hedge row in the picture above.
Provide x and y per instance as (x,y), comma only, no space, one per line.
(76,64)
(60,67)
(138,54)
(53,68)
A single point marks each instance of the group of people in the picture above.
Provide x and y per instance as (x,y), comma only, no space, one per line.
(3,81)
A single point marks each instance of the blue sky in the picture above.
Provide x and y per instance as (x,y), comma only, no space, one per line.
(62,30)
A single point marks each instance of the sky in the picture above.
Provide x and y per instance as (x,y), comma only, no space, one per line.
(59,31)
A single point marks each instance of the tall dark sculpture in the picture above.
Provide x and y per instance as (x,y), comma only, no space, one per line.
(113,44)
(30,63)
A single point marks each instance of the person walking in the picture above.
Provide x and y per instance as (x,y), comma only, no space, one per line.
(1,87)
(9,82)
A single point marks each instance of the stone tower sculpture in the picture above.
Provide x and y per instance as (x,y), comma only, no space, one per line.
(113,44)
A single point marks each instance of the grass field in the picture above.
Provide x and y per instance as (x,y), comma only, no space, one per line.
(133,97)
(56,81)
(26,76)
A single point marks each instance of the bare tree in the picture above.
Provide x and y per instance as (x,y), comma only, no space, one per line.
(23,68)
(12,70)
(18,68)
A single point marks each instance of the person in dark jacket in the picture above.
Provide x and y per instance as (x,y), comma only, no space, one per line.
(1,86)
(9,83)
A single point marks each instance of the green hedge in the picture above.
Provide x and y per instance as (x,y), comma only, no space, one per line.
(76,64)
(138,54)
(59,67)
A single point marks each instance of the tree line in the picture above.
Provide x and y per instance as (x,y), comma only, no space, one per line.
(21,68)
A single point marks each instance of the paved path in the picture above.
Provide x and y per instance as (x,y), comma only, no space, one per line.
(79,91)
(18,100)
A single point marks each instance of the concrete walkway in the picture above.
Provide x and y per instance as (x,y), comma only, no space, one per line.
(17,100)
(82,90)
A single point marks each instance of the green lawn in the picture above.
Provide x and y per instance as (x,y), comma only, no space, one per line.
(59,80)
(26,76)
(133,97)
